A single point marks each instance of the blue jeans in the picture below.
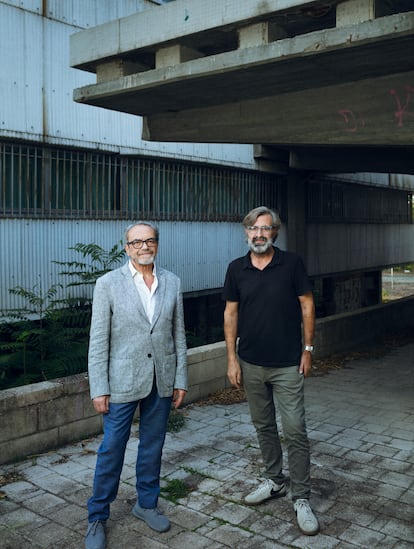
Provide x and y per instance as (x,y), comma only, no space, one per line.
(154,412)
(264,387)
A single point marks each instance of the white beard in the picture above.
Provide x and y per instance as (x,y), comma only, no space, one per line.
(260,248)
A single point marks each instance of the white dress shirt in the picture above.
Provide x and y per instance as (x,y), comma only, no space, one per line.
(146,294)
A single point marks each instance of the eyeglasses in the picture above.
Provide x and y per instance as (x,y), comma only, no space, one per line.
(137,244)
(263,228)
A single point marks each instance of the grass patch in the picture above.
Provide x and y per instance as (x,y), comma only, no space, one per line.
(175,490)
(176,421)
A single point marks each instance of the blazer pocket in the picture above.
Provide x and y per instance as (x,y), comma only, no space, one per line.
(169,366)
(121,375)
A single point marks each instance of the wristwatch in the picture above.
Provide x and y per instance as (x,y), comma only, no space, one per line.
(309,348)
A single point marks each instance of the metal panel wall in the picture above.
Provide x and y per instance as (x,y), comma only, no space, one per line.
(197,252)
(21,78)
(82,13)
(36,85)
(34,6)
(343,248)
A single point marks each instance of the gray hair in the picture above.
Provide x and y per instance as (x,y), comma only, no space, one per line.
(250,218)
(147,223)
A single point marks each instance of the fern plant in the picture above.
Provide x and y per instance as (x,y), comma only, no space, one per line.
(96,262)
(48,337)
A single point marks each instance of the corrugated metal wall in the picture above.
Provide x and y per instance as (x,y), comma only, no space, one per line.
(36,85)
(343,248)
(197,252)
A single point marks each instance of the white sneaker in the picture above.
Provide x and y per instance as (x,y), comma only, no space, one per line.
(307,522)
(268,489)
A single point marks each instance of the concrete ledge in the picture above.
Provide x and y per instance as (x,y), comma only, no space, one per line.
(42,416)
(207,371)
(348,331)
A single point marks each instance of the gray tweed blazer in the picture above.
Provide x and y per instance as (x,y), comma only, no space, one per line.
(125,348)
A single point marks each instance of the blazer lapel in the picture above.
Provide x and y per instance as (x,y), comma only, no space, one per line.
(159,295)
(133,292)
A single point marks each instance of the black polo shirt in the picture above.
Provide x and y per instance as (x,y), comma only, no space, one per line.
(270,315)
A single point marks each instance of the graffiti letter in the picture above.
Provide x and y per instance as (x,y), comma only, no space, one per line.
(402,109)
(350,119)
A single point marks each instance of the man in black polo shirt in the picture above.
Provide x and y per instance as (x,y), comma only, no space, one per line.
(268,296)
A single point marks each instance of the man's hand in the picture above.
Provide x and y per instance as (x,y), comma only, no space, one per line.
(305,367)
(101,404)
(234,373)
(178,397)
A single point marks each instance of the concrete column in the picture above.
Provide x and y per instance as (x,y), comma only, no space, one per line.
(112,70)
(260,34)
(353,12)
(174,55)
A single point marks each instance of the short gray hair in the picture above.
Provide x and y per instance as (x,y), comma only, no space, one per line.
(147,223)
(250,218)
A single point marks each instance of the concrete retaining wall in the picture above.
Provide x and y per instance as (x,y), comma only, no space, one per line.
(38,417)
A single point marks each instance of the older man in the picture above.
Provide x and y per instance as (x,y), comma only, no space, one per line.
(137,357)
(268,296)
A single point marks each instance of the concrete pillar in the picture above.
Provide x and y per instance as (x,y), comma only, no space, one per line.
(353,12)
(260,34)
(112,70)
(174,55)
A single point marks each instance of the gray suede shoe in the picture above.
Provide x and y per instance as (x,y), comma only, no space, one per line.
(95,535)
(153,517)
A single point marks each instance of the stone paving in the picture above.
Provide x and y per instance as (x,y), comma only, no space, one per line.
(360,421)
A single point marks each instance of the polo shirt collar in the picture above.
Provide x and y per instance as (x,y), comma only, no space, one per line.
(276,259)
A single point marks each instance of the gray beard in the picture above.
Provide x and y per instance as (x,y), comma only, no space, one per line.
(260,248)
(144,261)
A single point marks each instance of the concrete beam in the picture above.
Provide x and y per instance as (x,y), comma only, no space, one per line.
(315,60)
(377,111)
(167,23)
(353,159)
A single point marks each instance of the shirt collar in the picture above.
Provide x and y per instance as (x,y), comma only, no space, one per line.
(276,260)
(134,272)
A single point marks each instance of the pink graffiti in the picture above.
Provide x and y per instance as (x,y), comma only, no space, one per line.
(402,110)
(351,120)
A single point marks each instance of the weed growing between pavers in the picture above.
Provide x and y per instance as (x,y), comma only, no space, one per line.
(175,490)
(176,421)
(195,472)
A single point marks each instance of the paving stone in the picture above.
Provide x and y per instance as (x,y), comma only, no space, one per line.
(21,491)
(10,539)
(399,529)
(363,537)
(191,540)
(233,513)
(229,535)
(270,527)
(23,520)
(56,535)
(187,518)
(44,502)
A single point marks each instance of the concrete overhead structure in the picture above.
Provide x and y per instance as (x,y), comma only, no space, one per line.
(318,85)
